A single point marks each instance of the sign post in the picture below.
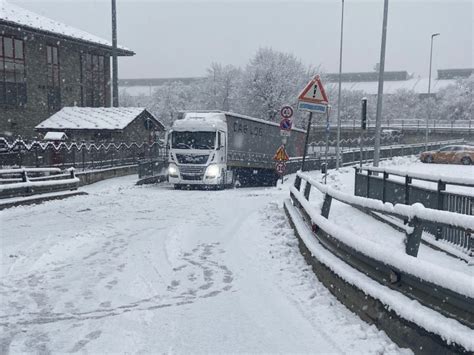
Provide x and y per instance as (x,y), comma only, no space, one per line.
(313,98)
(328,128)
(286,124)
(281,157)
(363,126)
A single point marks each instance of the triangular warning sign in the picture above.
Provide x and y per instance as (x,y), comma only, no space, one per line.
(314,92)
(281,154)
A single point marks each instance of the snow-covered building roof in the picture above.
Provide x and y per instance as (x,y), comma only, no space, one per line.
(21,18)
(55,136)
(95,118)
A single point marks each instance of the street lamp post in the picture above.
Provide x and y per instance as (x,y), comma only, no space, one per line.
(115,98)
(338,138)
(378,115)
(428,116)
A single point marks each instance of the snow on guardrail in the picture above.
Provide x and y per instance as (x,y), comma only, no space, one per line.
(453,180)
(449,279)
(410,211)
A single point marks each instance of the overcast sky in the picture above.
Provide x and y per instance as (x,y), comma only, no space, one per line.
(181,38)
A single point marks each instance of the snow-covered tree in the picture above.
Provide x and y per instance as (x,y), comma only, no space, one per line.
(271,80)
(220,87)
(456,101)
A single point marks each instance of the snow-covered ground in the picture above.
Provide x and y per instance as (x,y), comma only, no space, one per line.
(153,270)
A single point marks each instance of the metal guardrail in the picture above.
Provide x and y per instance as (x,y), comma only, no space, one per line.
(84,156)
(438,297)
(416,125)
(18,183)
(352,156)
(382,188)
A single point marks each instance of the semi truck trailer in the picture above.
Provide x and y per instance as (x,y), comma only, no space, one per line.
(219,149)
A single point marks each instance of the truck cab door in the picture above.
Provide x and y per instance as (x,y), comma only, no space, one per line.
(221,146)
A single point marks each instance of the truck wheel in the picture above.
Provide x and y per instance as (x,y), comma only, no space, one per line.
(177,187)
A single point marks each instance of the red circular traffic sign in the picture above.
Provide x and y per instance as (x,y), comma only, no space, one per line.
(286,111)
(280,168)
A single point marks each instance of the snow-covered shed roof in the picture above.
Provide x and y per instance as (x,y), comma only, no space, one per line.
(95,118)
(55,136)
(24,19)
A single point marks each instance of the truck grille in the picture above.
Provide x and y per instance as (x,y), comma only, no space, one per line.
(191,159)
(192,172)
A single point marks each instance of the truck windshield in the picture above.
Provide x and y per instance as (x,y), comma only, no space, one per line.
(193,140)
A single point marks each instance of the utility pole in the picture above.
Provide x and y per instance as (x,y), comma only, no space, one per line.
(115,97)
(378,117)
(338,138)
(428,117)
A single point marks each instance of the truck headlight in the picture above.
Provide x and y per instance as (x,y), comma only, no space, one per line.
(173,170)
(212,171)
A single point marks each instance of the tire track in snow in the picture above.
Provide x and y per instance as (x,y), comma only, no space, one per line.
(212,273)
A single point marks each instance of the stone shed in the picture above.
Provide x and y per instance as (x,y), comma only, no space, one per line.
(104,124)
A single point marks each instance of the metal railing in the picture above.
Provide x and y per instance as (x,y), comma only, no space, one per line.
(372,185)
(27,182)
(377,262)
(352,156)
(418,125)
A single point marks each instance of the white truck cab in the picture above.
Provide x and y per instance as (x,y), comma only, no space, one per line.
(198,150)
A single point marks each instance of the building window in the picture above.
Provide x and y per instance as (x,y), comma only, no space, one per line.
(54,87)
(94,84)
(12,72)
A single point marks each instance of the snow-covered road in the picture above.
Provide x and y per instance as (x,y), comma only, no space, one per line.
(152,270)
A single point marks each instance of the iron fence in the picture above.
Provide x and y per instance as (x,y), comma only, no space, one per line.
(375,183)
(417,125)
(82,156)
(352,156)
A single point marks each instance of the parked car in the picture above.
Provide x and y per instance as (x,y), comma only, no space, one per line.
(451,154)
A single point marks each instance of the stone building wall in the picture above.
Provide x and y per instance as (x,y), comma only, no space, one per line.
(15,121)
